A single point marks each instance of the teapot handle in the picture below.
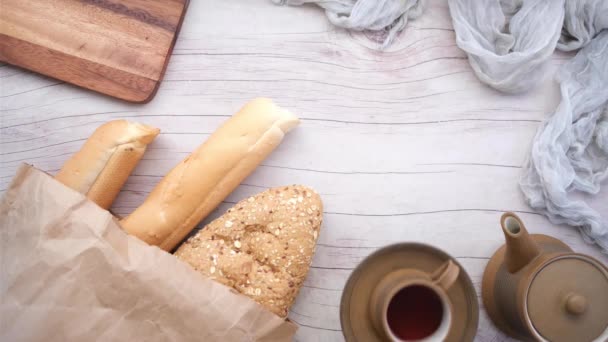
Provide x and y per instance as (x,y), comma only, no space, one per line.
(446,275)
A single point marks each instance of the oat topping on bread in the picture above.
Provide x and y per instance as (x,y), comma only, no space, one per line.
(262,246)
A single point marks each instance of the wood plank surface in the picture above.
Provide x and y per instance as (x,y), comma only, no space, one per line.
(403,145)
(119,48)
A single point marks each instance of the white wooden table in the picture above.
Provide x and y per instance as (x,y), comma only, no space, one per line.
(403,145)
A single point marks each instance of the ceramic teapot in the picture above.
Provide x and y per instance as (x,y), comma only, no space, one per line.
(535,288)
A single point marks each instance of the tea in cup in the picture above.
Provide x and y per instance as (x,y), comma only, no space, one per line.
(409,292)
(411,305)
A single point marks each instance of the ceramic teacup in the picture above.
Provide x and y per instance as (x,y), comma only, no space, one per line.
(412,305)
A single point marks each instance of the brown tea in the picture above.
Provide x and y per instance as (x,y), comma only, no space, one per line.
(414,313)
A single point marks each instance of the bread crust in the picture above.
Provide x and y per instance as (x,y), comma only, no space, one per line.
(199,183)
(105,161)
(262,247)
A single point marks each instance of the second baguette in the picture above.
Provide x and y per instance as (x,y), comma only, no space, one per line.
(200,182)
(106,160)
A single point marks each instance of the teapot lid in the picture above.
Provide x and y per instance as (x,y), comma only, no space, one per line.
(568,299)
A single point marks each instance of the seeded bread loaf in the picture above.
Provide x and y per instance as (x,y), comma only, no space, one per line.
(262,247)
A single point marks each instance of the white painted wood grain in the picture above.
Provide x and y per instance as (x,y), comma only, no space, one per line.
(403,145)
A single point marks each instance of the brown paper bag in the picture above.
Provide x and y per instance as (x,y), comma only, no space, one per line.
(69,273)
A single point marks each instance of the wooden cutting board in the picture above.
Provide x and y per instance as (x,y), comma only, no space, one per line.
(116,47)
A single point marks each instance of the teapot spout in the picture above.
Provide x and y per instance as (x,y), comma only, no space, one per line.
(521,248)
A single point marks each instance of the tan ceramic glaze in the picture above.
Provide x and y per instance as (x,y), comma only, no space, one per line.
(439,281)
(380,276)
(535,288)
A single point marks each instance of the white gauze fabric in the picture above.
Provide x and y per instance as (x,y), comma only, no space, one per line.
(508,42)
(372,15)
(584,19)
(570,149)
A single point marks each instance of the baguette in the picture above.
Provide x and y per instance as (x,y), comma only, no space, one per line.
(262,247)
(198,184)
(106,160)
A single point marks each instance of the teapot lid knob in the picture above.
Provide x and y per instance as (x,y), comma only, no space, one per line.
(576,304)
